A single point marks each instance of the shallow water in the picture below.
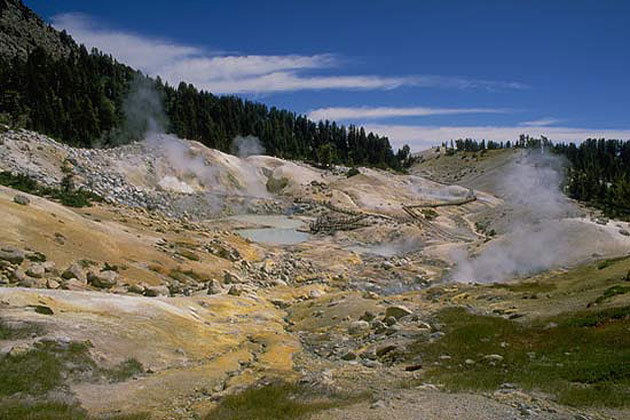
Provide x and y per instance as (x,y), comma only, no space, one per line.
(275,236)
(276,230)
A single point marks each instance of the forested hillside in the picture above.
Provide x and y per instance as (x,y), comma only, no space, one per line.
(78,98)
(598,172)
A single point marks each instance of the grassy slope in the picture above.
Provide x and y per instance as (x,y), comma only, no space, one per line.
(576,349)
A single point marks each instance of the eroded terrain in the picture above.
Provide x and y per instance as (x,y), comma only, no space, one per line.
(341,284)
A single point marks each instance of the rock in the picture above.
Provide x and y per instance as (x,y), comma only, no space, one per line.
(428,387)
(397,311)
(136,288)
(383,350)
(49,267)
(469,362)
(235,290)
(369,354)
(119,289)
(75,272)
(214,287)
(314,294)
(424,326)
(370,295)
(437,335)
(155,291)
(378,326)
(280,304)
(19,349)
(349,355)
(73,284)
(358,327)
(493,358)
(35,256)
(367,316)
(370,363)
(268,266)
(413,368)
(52,284)
(231,278)
(36,270)
(22,199)
(103,279)
(378,404)
(19,276)
(12,255)
(390,320)
(624,232)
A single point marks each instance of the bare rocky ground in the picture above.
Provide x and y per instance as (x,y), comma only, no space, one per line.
(159,273)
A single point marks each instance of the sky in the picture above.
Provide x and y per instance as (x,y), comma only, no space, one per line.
(420,72)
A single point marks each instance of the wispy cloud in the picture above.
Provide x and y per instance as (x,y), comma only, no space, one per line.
(220,73)
(363,113)
(543,122)
(423,137)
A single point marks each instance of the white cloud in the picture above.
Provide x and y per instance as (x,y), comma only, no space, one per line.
(543,122)
(423,137)
(353,113)
(220,73)
(288,81)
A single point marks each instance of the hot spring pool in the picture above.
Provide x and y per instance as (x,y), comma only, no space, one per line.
(275,230)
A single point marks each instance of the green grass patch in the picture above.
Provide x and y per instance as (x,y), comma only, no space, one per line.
(46,410)
(18,331)
(278,401)
(43,368)
(124,370)
(581,359)
(607,263)
(19,182)
(526,287)
(612,292)
(67,197)
(50,365)
(40,411)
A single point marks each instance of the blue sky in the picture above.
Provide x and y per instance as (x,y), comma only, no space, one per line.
(419,71)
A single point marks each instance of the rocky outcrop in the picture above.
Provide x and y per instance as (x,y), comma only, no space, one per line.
(21,31)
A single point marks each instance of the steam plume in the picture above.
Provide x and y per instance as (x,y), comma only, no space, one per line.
(535,240)
(246,146)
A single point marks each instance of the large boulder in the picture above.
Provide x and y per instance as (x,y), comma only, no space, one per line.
(235,290)
(103,279)
(214,287)
(36,270)
(22,199)
(358,327)
(73,284)
(397,311)
(12,255)
(75,272)
(155,291)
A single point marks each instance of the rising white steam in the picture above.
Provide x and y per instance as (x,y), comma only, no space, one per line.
(247,146)
(535,239)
